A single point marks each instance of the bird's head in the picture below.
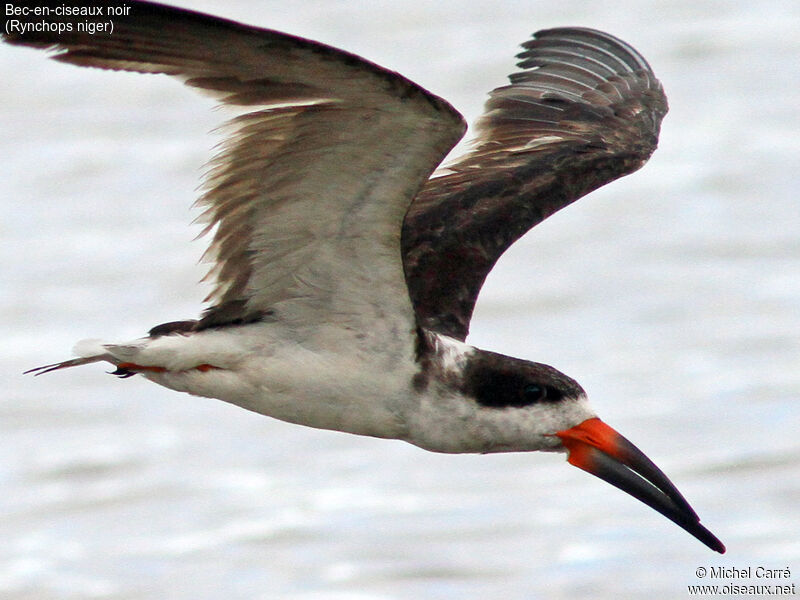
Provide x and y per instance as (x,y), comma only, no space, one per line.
(479,401)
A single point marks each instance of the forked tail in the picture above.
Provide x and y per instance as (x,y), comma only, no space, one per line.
(88,351)
(75,362)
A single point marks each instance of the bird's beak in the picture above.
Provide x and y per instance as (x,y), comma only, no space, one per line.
(596,448)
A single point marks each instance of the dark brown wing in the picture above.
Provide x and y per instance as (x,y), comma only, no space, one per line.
(585,110)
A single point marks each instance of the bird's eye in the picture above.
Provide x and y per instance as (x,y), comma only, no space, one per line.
(534,392)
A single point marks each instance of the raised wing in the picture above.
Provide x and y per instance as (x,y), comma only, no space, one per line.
(585,110)
(310,187)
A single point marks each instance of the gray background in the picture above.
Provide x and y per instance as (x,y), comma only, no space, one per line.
(672,296)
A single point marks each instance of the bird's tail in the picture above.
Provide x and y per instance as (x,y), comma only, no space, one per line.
(88,351)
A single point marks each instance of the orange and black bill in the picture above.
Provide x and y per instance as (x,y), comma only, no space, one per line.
(598,449)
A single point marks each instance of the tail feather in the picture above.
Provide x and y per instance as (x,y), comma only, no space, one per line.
(75,362)
(88,351)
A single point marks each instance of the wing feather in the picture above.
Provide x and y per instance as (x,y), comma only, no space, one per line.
(322,158)
(584,110)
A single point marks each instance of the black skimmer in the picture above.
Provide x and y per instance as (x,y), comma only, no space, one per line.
(346,270)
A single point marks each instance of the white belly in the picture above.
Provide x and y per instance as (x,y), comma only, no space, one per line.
(350,388)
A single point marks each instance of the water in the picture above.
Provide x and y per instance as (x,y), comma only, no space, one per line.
(672,296)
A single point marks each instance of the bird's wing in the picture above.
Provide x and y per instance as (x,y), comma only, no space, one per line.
(307,195)
(584,110)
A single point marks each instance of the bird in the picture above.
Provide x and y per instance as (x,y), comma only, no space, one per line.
(347,259)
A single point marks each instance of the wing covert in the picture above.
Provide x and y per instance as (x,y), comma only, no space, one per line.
(584,110)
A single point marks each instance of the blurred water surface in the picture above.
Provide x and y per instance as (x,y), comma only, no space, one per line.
(672,296)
